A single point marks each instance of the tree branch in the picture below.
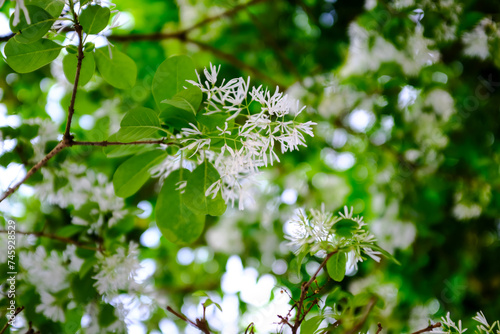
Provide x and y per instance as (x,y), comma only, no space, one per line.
(116,143)
(236,62)
(379,329)
(201,324)
(11,319)
(71,108)
(428,328)
(303,294)
(182,34)
(360,324)
(58,238)
(59,147)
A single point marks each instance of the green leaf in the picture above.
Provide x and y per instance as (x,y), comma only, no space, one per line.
(138,123)
(177,118)
(70,62)
(345,228)
(94,19)
(209,302)
(70,230)
(176,222)
(187,99)
(87,265)
(53,7)
(119,71)
(82,288)
(41,21)
(383,251)
(311,325)
(200,293)
(133,173)
(24,58)
(336,266)
(197,184)
(113,151)
(106,316)
(214,120)
(170,78)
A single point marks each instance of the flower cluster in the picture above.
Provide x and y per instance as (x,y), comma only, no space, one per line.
(450,327)
(254,123)
(116,272)
(321,233)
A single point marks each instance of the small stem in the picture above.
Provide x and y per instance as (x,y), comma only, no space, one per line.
(18,310)
(115,143)
(35,168)
(71,108)
(58,238)
(379,329)
(428,328)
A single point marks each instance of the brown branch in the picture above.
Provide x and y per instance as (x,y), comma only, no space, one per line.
(360,324)
(303,294)
(71,108)
(58,238)
(11,319)
(182,34)
(379,329)
(201,324)
(428,328)
(236,62)
(59,147)
(115,143)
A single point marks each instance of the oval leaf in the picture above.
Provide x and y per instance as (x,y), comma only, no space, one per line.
(70,62)
(53,7)
(139,123)
(94,19)
(197,184)
(41,22)
(336,266)
(187,99)
(170,78)
(24,58)
(133,173)
(119,70)
(176,222)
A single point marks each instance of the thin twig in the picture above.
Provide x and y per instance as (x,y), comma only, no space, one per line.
(360,324)
(35,168)
(200,324)
(115,143)
(58,238)
(428,328)
(11,319)
(303,293)
(379,329)
(236,62)
(182,34)
(71,108)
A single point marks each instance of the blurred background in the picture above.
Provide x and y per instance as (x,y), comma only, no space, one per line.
(406,99)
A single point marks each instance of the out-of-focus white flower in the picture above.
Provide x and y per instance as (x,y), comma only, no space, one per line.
(50,309)
(116,272)
(46,272)
(476,41)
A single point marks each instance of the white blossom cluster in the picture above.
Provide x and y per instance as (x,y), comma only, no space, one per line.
(450,327)
(83,186)
(477,42)
(116,272)
(247,140)
(316,234)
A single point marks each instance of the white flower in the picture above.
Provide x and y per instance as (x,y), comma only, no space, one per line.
(49,308)
(116,272)
(47,273)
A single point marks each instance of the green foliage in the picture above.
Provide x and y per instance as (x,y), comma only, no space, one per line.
(133,173)
(40,23)
(138,123)
(87,71)
(170,79)
(24,58)
(94,19)
(175,220)
(336,266)
(198,183)
(117,69)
